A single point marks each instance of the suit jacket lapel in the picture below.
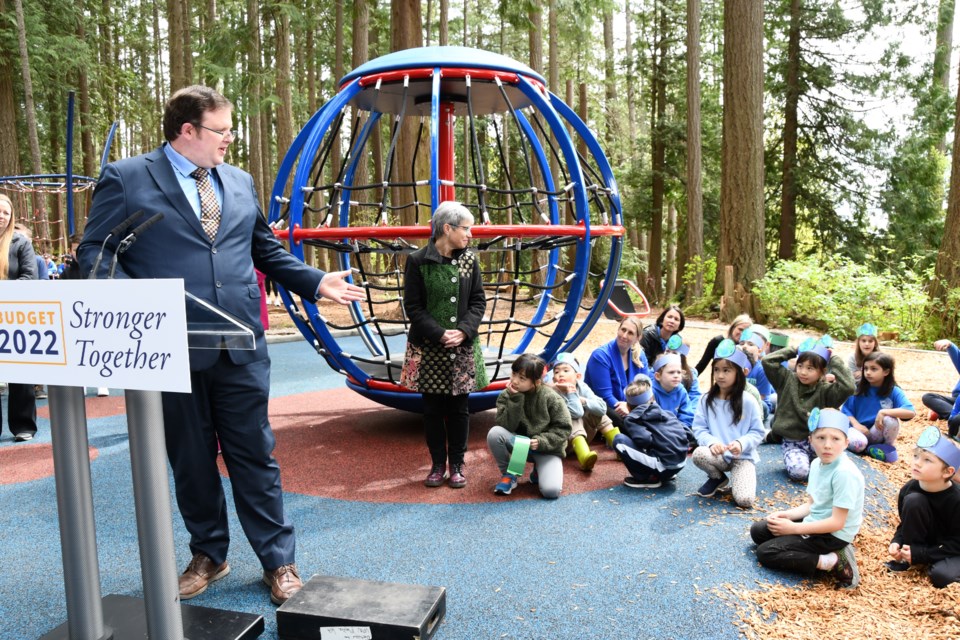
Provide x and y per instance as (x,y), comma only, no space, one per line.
(162,172)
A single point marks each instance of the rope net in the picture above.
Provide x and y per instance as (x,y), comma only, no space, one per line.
(544,230)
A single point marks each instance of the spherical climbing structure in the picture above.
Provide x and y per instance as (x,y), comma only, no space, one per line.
(483,130)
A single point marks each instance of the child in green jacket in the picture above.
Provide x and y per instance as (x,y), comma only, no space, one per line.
(801,391)
(528,409)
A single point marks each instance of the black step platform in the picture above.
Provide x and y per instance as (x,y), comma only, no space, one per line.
(127,618)
(387,610)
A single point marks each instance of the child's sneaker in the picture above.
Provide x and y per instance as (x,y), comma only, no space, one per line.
(507,484)
(846,570)
(649,482)
(534,476)
(896,566)
(933,416)
(711,486)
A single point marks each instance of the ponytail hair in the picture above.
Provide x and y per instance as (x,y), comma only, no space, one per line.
(636,351)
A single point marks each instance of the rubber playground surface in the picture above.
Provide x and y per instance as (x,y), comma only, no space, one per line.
(603,561)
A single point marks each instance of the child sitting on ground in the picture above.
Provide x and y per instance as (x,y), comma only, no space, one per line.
(653,445)
(818,535)
(588,412)
(878,406)
(801,391)
(691,380)
(754,345)
(943,407)
(526,408)
(929,508)
(865,344)
(728,429)
(668,387)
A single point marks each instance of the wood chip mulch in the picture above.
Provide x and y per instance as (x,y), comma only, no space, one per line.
(885,606)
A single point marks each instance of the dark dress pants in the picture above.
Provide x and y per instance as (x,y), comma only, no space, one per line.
(228,402)
(21,408)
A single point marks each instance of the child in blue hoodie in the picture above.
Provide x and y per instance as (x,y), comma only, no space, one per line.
(653,445)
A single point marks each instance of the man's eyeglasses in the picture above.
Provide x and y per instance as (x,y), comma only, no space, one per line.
(223,133)
(460,226)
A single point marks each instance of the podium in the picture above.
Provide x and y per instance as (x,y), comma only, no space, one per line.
(159,615)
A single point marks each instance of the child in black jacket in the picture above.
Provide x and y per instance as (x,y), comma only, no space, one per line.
(653,445)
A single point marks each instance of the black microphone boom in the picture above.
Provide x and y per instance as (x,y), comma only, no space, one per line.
(130,239)
(117,230)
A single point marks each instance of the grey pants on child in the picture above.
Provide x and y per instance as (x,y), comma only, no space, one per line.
(549,467)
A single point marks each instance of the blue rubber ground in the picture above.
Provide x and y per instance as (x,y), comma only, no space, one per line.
(612,564)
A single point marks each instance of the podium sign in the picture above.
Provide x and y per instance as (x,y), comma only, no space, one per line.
(124,334)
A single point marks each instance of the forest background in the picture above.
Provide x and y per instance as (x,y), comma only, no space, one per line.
(748,134)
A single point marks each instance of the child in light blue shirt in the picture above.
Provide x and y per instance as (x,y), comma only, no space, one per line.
(818,535)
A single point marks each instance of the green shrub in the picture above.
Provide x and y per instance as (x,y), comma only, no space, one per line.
(840,296)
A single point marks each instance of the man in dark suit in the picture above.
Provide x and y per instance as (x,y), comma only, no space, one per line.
(213,235)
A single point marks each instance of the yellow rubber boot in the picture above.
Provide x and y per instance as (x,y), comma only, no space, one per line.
(609,435)
(585,456)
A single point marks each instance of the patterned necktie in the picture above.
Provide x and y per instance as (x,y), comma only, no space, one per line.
(209,207)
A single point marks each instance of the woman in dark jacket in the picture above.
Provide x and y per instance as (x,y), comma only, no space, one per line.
(17,262)
(655,337)
(443,298)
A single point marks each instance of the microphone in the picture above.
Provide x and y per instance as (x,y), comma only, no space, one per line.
(117,230)
(130,239)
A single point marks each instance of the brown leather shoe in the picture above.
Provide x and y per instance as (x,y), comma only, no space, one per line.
(283,581)
(199,574)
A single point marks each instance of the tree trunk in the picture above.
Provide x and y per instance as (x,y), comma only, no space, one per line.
(658,157)
(255,88)
(30,111)
(610,86)
(671,251)
(535,38)
(631,81)
(741,180)
(175,26)
(947,273)
(9,160)
(406,33)
(941,56)
(788,198)
(444,36)
(187,34)
(284,106)
(694,150)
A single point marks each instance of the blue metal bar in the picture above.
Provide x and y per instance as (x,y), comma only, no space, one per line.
(356,310)
(105,156)
(581,207)
(616,244)
(69,195)
(551,273)
(303,152)
(435,143)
